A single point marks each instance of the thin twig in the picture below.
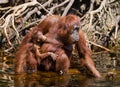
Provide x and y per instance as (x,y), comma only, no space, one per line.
(100,46)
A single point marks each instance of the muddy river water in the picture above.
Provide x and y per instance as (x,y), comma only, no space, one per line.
(107,63)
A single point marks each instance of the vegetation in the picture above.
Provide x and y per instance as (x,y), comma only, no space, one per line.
(100,19)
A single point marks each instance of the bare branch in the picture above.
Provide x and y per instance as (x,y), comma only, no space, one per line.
(96,11)
(117,26)
(52,9)
(68,7)
(5,27)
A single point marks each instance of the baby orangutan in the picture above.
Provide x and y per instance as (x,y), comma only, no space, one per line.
(60,63)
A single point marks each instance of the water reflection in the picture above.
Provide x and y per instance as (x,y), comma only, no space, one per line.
(108,65)
(51,80)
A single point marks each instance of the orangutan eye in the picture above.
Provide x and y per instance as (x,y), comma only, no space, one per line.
(76,27)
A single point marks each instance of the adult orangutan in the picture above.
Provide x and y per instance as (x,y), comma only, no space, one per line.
(64,30)
(81,45)
(67,32)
